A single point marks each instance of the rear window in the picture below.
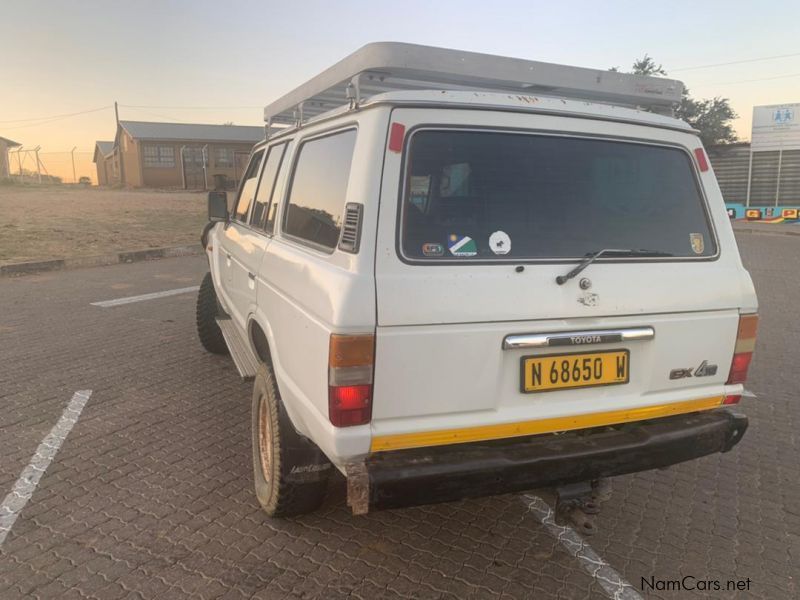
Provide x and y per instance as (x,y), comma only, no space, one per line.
(508,196)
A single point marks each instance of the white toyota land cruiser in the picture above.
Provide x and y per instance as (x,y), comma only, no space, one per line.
(454,274)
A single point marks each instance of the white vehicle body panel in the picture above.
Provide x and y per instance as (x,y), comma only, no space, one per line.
(305,295)
(440,363)
(240,252)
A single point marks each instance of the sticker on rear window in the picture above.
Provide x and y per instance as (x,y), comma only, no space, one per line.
(432,249)
(500,243)
(454,182)
(420,191)
(698,243)
(462,245)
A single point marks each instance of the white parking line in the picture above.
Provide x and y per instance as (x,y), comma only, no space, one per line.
(612,582)
(25,485)
(153,296)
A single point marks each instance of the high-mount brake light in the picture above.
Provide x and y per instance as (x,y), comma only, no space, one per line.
(742,354)
(396,135)
(350,360)
(702,161)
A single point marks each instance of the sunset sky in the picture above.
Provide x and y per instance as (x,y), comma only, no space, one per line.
(204,61)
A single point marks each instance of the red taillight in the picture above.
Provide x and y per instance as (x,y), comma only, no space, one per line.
(739,366)
(350,359)
(349,404)
(732,399)
(702,161)
(743,352)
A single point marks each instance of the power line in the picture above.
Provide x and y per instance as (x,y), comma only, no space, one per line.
(54,117)
(736,62)
(38,121)
(750,80)
(160,116)
(190,107)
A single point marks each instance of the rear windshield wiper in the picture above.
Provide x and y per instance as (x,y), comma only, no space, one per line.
(593,256)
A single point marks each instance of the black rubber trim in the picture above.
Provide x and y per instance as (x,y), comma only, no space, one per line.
(447,473)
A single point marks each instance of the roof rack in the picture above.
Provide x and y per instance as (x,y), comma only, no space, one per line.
(390,66)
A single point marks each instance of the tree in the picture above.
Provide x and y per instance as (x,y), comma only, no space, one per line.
(647,66)
(712,118)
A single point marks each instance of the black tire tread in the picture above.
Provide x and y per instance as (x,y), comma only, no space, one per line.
(206,317)
(285,497)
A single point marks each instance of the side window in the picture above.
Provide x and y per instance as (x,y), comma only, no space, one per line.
(267,185)
(158,156)
(272,211)
(319,188)
(223,158)
(248,189)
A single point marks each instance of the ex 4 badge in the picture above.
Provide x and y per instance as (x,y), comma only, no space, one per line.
(704,370)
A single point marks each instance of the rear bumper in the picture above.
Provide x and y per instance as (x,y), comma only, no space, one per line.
(448,473)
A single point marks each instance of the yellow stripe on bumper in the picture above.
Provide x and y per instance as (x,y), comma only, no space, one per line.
(442,437)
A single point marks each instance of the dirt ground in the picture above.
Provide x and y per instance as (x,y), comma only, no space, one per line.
(38,223)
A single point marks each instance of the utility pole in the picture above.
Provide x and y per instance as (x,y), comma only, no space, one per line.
(205,170)
(183,167)
(74,178)
(119,146)
(749,177)
(38,164)
(778,179)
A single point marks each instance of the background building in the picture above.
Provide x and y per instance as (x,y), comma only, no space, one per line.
(766,171)
(5,144)
(104,161)
(731,164)
(176,155)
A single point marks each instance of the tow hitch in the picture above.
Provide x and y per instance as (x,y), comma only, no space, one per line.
(579,503)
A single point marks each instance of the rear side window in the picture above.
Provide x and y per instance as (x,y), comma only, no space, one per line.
(248,188)
(494,196)
(266,186)
(319,188)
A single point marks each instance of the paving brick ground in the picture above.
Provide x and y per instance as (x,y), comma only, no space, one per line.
(150,495)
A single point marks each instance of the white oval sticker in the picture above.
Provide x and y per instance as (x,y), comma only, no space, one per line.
(500,243)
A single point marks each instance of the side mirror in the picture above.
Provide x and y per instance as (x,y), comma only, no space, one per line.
(217,206)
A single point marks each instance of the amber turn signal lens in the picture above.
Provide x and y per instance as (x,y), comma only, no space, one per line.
(351,350)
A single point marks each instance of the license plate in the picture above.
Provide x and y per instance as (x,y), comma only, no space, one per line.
(576,370)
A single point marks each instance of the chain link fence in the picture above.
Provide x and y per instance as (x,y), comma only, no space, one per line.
(29,165)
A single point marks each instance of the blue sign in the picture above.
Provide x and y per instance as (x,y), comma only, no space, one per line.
(781,116)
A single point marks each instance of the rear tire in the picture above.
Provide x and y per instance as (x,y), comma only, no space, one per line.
(207,312)
(290,472)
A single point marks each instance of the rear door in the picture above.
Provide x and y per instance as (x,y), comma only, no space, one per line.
(473,329)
